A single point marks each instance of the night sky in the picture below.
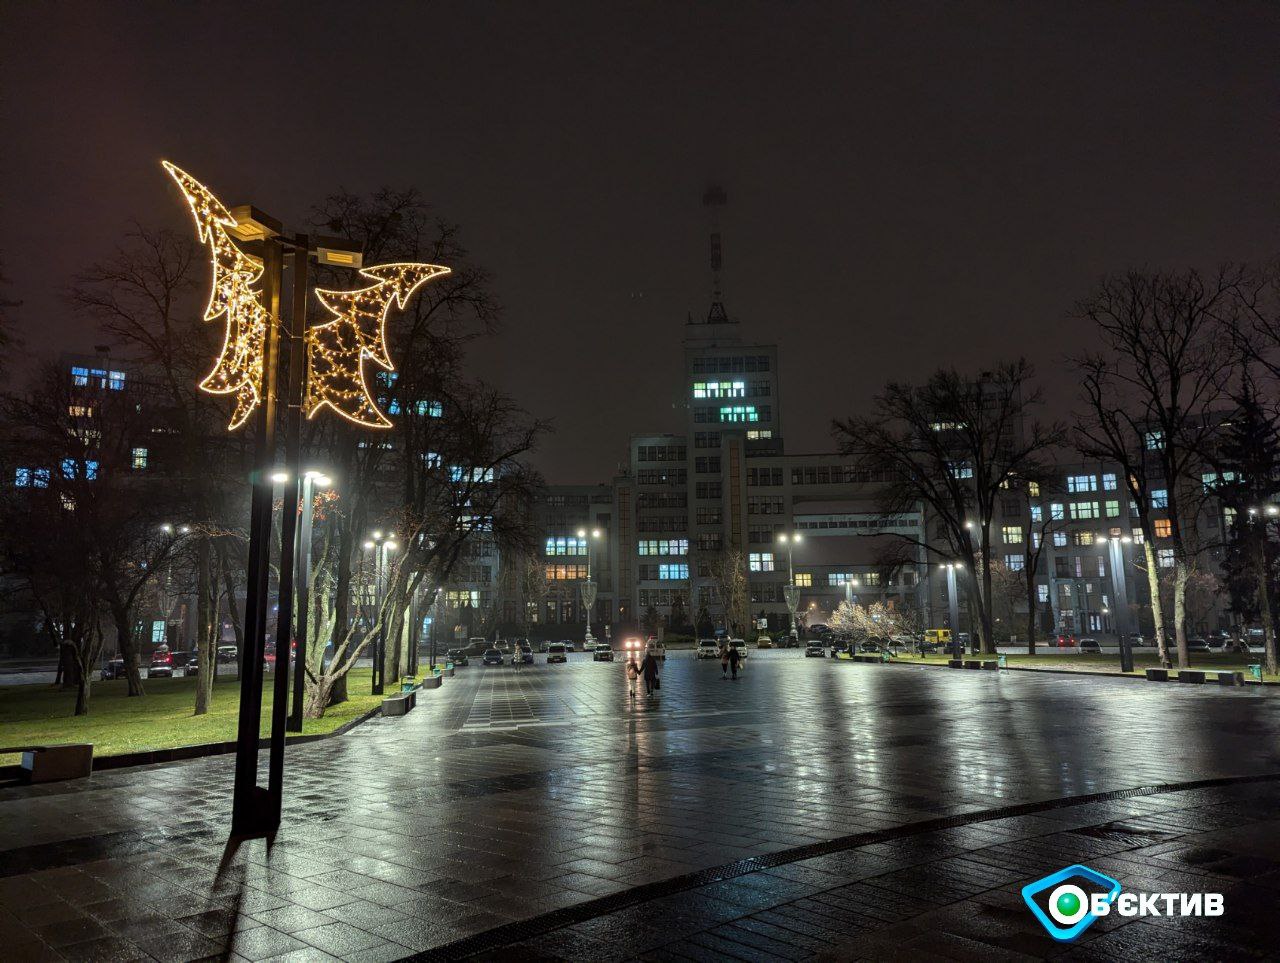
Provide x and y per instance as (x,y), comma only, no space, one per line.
(909,184)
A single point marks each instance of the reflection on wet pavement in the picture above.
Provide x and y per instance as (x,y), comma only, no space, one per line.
(510,795)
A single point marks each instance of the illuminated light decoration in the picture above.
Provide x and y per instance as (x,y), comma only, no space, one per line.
(336,349)
(238,370)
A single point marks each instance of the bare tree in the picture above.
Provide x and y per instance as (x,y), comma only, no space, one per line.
(954,444)
(728,572)
(1151,405)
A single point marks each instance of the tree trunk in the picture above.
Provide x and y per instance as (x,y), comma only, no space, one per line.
(82,695)
(337,691)
(1153,583)
(1032,609)
(1180,610)
(1264,600)
(237,624)
(68,668)
(205,594)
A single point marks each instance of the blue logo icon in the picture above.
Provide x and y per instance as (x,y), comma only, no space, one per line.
(1069,910)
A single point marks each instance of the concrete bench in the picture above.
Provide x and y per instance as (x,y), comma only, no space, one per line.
(1194,676)
(1229,678)
(955,663)
(398,705)
(973,663)
(1157,675)
(52,763)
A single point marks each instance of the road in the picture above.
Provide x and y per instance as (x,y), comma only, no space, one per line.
(547,795)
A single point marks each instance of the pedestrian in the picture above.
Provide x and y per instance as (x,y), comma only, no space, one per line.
(734,658)
(649,671)
(724,660)
(633,673)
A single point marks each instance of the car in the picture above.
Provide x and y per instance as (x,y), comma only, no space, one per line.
(1137,641)
(788,640)
(228,654)
(764,642)
(925,647)
(872,646)
(113,669)
(656,649)
(542,646)
(741,645)
(477,645)
(707,649)
(192,664)
(503,646)
(1090,645)
(813,648)
(569,645)
(1197,645)
(633,645)
(492,657)
(523,652)
(603,652)
(160,668)
(819,629)
(556,652)
(458,657)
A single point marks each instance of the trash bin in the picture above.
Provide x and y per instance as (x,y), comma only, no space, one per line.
(1255,672)
(1002,661)
(407,684)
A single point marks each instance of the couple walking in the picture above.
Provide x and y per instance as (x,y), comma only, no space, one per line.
(647,670)
(730,659)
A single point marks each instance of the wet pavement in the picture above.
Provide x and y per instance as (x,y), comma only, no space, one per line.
(544,813)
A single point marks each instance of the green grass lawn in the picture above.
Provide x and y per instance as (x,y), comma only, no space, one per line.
(162,719)
(1108,662)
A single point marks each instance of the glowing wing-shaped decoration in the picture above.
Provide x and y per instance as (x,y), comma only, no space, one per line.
(238,370)
(336,349)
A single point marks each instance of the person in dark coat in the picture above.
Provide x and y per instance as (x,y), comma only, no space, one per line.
(649,672)
(734,659)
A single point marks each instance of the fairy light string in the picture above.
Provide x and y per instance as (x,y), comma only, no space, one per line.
(336,349)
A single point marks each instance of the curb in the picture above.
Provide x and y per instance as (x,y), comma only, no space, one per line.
(1090,672)
(127,760)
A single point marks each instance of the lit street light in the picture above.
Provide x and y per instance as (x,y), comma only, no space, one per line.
(588,587)
(792,591)
(953,606)
(1120,596)
(381,547)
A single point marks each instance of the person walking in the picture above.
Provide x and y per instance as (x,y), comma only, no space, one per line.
(633,673)
(649,672)
(734,658)
(724,659)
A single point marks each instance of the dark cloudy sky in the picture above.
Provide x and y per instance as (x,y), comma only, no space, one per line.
(910,184)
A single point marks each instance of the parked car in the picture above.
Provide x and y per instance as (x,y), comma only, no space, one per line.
(741,646)
(1137,641)
(819,629)
(813,648)
(542,646)
(872,646)
(477,645)
(556,653)
(160,668)
(492,657)
(788,640)
(113,669)
(522,652)
(1197,645)
(925,647)
(569,645)
(602,653)
(656,649)
(1090,645)
(458,657)
(764,642)
(503,646)
(708,649)
(227,654)
(192,664)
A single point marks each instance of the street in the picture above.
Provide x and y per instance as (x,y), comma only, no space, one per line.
(545,796)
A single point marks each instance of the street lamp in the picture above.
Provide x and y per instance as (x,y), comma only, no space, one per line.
(791,541)
(311,480)
(588,587)
(953,606)
(1120,594)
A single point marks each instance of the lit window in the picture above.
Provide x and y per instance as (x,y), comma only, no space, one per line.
(80,376)
(1059,539)
(1138,537)
(1109,482)
(960,469)
(1082,483)
(739,413)
(139,458)
(566,546)
(459,474)
(1042,593)
(759,434)
(1033,489)
(663,546)
(1154,440)
(1159,498)
(80,411)
(1056,512)
(1164,556)
(1037,514)
(1082,538)
(1113,508)
(1014,563)
(804,579)
(1012,534)
(761,561)
(840,578)
(430,409)
(673,571)
(1162,527)
(1084,510)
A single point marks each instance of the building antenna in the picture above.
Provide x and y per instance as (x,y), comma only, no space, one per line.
(713,200)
